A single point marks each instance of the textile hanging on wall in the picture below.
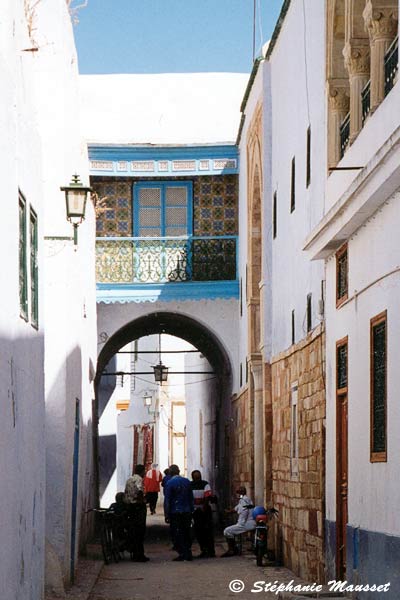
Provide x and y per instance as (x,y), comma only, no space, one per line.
(142,446)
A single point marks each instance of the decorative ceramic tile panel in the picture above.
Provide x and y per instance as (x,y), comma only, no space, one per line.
(215,205)
(115,207)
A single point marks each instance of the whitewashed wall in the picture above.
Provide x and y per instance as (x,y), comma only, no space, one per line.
(40,149)
(116,427)
(373,252)
(22,455)
(69,311)
(297,100)
(219,316)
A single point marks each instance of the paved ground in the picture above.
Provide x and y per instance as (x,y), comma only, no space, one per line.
(162,579)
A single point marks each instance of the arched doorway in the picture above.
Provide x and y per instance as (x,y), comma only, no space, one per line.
(207,344)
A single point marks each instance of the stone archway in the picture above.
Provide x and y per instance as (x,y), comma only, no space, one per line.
(254,301)
(205,340)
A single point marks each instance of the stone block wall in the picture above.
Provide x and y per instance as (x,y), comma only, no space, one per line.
(299,494)
(242,442)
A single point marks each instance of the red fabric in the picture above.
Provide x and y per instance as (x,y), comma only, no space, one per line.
(152,480)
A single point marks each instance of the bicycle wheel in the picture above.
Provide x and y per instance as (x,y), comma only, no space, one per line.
(105,545)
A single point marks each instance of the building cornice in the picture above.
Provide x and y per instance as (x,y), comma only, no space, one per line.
(130,160)
(375,183)
(278,27)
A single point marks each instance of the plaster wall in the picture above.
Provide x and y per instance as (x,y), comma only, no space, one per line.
(22,473)
(297,101)
(116,426)
(373,487)
(69,312)
(219,316)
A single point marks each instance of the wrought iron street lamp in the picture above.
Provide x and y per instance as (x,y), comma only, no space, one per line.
(75,200)
(148,399)
(160,372)
(150,403)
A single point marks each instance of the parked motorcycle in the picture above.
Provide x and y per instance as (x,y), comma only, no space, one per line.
(261,516)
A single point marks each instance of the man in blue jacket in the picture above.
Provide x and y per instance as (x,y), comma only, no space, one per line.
(178,509)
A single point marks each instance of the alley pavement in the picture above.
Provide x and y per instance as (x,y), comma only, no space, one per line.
(163,579)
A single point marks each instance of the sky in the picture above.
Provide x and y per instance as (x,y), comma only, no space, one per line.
(161,36)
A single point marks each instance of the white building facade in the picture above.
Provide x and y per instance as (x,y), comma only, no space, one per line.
(48,317)
(356,239)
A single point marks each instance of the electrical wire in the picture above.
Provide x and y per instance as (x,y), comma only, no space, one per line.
(176,384)
(260,25)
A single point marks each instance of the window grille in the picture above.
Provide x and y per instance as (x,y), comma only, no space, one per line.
(309,313)
(308,165)
(33,234)
(341,275)
(341,366)
(293,328)
(23,273)
(293,186)
(378,388)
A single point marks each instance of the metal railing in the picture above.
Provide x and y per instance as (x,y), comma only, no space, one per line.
(166,259)
(391,65)
(344,134)
(366,100)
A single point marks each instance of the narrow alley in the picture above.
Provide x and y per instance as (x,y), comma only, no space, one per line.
(162,578)
(200,279)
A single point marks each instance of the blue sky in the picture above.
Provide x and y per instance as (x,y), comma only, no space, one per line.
(158,36)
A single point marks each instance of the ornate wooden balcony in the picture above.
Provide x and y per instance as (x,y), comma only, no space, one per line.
(150,260)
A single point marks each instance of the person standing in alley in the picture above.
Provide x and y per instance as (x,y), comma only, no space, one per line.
(152,486)
(134,499)
(202,515)
(166,478)
(178,509)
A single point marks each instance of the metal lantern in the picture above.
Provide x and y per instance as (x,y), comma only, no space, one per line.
(147,399)
(75,201)
(160,372)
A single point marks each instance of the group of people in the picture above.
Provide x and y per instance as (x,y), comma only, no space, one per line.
(185,502)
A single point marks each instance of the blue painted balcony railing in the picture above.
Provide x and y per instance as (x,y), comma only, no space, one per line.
(149,260)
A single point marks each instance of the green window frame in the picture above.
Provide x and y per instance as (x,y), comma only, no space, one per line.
(23,270)
(378,388)
(34,278)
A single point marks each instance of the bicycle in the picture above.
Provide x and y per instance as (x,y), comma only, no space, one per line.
(109,544)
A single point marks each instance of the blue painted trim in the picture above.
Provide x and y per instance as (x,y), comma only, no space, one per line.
(167,292)
(138,185)
(127,153)
(75,476)
(121,238)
